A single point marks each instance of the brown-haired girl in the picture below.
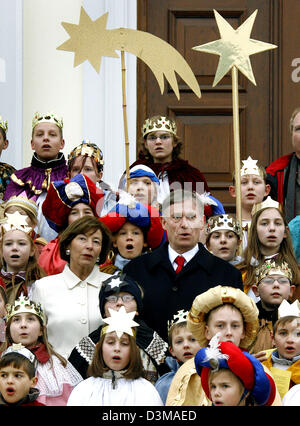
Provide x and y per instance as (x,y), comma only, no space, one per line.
(268,238)
(116,372)
(18,257)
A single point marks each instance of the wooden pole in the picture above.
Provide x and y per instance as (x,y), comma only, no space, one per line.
(125,118)
(236,146)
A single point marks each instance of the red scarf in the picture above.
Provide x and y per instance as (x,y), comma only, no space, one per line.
(41,353)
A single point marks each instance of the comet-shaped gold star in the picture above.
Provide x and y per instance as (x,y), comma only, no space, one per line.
(90,40)
(234,47)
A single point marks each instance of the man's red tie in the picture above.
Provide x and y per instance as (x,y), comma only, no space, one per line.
(180,262)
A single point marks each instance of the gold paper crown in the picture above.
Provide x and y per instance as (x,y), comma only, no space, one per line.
(160,123)
(88,149)
(267,203)
(223,222)
(49,117)
(272,267)
(181,316)
(16,222)
(250,167)
(286,309)
(3,124)
(24,304)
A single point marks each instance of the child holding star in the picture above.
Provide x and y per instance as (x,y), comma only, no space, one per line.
(116,373)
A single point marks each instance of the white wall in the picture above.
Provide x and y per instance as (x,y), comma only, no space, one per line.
(50,81)
(102,93)
(11,78)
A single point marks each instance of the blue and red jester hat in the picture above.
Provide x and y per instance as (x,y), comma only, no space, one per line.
(226,355)
(145,217)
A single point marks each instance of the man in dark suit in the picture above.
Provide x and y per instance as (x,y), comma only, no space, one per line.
(175,273)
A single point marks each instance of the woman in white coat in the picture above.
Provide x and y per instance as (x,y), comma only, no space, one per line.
(70,299)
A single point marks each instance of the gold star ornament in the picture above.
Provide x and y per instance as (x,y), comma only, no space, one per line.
(120,321)
(234,47)
(90,40)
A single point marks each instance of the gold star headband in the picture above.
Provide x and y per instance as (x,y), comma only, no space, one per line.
(49,117)
(223,222)
(267,203)
(250,168)
(181,316)
(271,267)
(159,124)
(24,305)
(3,124)
(120,321)
(16,222)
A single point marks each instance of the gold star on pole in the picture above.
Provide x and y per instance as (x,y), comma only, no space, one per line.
(234,47)
(89,40)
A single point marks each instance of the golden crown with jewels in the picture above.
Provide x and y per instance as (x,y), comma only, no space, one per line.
(88,149)
(49,117)
(272,267)
(181,316)
(24,305)
(223,222)
(3,124)
(159,123)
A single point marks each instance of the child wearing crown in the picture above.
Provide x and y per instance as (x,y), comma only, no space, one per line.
(48,164)
(220,309)
(182,346)
(232,377)
(254,189)
(26,324)
(269,238)
(273,284)
(116,372)
(161,148)
(18,257)
(284,361)
(223,237)
(87,159)
(26,207)
(18,378)
(5,169)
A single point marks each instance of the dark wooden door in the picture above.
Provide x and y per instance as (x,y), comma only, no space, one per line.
(205,124)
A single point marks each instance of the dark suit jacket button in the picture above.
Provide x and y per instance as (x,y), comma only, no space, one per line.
(174,288)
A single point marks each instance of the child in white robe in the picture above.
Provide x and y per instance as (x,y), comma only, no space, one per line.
(116,373)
